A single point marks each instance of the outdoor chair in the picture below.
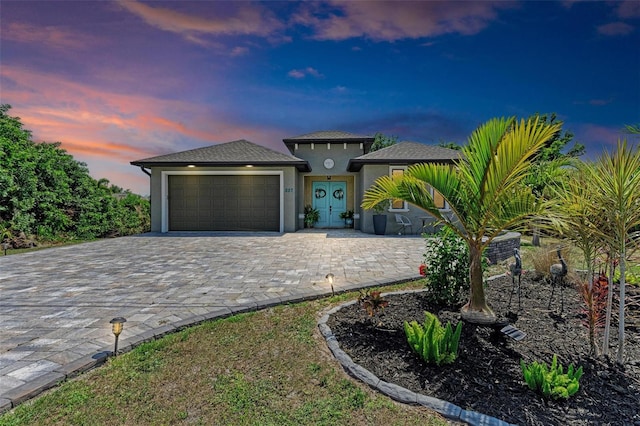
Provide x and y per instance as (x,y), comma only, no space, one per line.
(404,222)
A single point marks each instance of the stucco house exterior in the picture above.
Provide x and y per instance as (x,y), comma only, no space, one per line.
(243,186)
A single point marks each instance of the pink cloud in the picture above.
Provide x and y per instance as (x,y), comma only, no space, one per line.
(615,29)
(390,21)
(628,9)
(592,135)
(246,20)
(52,37)
(600,102)
(108,130)
(309,71)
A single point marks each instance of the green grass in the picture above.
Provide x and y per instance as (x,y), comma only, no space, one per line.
(263,368)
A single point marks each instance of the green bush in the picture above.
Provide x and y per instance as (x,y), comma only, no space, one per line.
(446,260)
(551,382)
(432,342)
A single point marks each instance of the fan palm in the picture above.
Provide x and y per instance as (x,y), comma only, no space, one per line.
(484,191)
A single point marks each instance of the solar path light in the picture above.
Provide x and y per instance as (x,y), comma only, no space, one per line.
(116,327)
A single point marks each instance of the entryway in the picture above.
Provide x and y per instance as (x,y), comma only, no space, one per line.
(330,198)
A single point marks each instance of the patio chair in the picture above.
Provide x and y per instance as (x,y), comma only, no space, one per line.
(404,222)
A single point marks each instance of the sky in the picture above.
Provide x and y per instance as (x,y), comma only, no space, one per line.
(118,81)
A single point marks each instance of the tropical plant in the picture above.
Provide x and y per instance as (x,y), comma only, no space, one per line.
(446,260)
(372,302)
(617,177)
(432,342)
(484,191)
(551,381)
(311,215)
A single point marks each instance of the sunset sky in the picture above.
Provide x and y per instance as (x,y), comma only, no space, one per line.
(117,81)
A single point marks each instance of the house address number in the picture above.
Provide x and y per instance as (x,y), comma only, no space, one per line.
(288,190)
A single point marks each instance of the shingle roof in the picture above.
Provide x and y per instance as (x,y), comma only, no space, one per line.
(235,153)
(406,152)
(329,136)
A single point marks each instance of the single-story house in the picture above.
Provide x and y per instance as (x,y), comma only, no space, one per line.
(243,186)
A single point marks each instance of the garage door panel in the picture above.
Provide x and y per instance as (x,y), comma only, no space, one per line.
(224,203)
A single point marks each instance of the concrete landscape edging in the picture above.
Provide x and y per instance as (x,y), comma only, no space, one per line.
(398,393)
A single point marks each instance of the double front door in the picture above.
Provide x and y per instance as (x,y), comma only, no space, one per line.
(330,198)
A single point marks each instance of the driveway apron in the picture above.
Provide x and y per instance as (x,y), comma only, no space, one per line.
(56,304)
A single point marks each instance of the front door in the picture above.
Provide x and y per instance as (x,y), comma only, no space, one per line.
(330,198)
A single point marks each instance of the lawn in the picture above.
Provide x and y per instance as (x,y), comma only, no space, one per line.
(270,367)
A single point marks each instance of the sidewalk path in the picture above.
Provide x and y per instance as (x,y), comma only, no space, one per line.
(56,304)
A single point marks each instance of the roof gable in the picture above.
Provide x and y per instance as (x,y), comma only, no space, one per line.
(235,153)
(407,153)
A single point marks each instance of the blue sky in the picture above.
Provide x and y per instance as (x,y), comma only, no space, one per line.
(120,81)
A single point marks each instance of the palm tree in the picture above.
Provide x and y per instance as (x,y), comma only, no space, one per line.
(484,191)
(617,177)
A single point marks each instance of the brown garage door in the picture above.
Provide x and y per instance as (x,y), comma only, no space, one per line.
(224,203)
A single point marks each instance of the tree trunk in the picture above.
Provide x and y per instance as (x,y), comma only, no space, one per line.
(476,310)
(623,268)
(607,322)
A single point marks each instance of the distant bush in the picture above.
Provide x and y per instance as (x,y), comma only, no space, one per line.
(47,193)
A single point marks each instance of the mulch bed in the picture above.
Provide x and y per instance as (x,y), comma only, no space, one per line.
(487,377)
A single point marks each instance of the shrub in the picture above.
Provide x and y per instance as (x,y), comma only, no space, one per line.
(432,342)
(446,261)
(542,259)
(552,382)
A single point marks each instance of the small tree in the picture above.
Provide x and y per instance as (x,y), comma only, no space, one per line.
(617,177)
(485,192)
(381,141)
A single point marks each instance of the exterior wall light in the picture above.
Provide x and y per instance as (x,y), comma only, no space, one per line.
(191,165)
(249,165)
(330,278)
(116,327)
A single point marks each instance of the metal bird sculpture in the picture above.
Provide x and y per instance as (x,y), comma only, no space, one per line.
(516,272)
(558,272)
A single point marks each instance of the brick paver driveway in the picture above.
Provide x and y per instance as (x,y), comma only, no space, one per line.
(55,304)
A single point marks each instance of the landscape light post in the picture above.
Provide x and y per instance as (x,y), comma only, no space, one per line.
(116,328)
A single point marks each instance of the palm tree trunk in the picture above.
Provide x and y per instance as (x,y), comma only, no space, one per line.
(476,310)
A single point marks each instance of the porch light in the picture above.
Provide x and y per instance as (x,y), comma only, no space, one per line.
(116,328)
(330,278)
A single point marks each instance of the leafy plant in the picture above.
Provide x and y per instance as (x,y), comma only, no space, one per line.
(311,215)
(372,302)
(552,382)
(381,207)
(446,270)
(346,214)
(432,342)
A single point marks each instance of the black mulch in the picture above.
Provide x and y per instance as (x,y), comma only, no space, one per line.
(486,377)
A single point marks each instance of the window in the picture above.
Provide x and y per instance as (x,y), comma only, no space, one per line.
(397,172)
(438,199)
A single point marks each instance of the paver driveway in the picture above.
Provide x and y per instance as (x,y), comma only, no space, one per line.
(55,304)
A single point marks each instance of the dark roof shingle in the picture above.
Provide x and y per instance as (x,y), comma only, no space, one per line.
(235,153)
(328,136)
(406,152)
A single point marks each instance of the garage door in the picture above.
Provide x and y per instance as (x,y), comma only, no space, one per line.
(224,203)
